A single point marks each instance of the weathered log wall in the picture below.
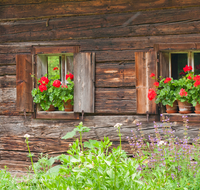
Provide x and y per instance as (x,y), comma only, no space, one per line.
(114,30)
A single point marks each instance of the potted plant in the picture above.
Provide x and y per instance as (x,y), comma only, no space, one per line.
(164,93)
(169,91)
(50,91)
(195,93)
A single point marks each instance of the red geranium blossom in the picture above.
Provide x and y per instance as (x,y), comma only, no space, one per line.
(64,86)
(156,84)
(181,73)
(187,68)
(197,83)
(71,76)
(183,92)
(197,78)
(151,94)
(42,87)
(167,80)
(55,68)
(56,83)
(189,77)
(44,80)
(152,75)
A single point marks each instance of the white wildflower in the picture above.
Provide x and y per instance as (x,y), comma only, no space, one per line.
(26,136)
(117,125)
(161,143)
(70,145)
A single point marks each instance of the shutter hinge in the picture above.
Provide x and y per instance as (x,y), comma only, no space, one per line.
(147,116)
(25,113)
(82,114)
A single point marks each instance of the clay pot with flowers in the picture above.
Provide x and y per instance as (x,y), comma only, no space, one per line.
(169,92)
(164,93)
(51,92)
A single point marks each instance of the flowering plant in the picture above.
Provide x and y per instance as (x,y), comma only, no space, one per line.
(168,89)
(52,92)
(164,92)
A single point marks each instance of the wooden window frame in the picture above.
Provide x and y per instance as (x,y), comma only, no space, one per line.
(49,51)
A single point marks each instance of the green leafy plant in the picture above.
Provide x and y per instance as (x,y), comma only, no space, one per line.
(51,92)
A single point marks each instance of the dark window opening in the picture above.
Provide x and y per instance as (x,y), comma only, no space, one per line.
(196,63)
(178,61)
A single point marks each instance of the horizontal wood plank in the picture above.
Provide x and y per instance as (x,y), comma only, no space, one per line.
(153,29)
(8,70)
(192,118)
(115,100)
(8,81)
(7,59)
(86,7)
(56,115)
(126,55)
(115,74)
(101,21)
(7,95)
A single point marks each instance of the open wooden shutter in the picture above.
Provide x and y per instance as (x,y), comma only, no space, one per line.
(24,82)
(145,63)
(84,86)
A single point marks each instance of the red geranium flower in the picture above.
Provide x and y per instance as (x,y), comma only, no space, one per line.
(55,68)
(156,84)
(152,75)
(42,87)
(56,83)
(197,78)
(183,92)
(181,73)
(197,83)
(64,86)
(151,94)
(167,80)
(187,68)
(71,76)
(44,80)
(189,77)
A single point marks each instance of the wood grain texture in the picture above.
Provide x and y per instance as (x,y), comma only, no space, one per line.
(115,100)
(100,21)
(152,29)
(56,115)
(7,59)
(141,83)
(8,70)
(126,55)
(8,81)
(24,82)
(84,79)
(7,95)
(86,7)
(115,74)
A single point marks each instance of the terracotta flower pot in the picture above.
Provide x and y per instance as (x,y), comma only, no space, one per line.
(172,109)
(184,107)
(197,108)
(68,106)
(52,108)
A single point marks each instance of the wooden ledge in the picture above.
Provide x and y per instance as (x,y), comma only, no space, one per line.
(56,115)
(192,117)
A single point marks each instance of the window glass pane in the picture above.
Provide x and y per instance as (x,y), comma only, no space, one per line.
(196,63)
(178,61)
(53,61)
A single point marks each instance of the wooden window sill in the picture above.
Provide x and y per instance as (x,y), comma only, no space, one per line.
(56,115)
(192,117)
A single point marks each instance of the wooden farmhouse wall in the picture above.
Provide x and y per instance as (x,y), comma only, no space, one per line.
(114,31)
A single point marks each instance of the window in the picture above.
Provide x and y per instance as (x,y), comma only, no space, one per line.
(178,60)
(164,60)
(68,59)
